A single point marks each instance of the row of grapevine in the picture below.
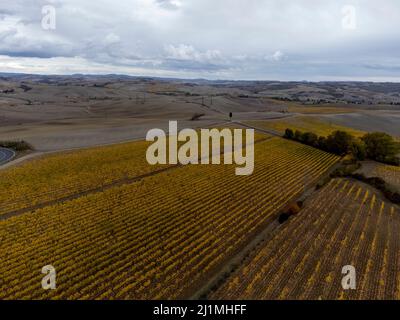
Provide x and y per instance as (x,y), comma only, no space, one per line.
(346,223)
(61,175)
(157,238)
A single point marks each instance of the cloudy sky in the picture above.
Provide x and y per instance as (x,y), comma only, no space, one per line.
(214,39)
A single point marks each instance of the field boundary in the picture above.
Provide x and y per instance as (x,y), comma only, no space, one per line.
(271,132)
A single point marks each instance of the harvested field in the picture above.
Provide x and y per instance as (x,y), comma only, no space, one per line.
(303,123)
(382,121)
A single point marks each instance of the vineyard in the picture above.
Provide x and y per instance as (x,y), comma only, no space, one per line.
(303,123)
(158,237)
(346,223)
(390,174)
(61,175)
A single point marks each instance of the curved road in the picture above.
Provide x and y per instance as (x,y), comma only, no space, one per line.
(6,155)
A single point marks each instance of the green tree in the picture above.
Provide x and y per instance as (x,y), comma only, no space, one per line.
(289,134)
(298,135)
(339,142)
(380,146)
(322,143)
(358,149)
(310,139)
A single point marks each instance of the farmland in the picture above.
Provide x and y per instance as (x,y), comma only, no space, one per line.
(184,157)
(65,174)
(68,112)
(320,109)
(143,240)
(86,201)
(303,123)
(60,175)
(345,223)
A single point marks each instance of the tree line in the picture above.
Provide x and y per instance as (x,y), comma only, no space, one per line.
(376,146)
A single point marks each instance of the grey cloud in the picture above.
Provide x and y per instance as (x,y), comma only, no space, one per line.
(169,4)
(234,38)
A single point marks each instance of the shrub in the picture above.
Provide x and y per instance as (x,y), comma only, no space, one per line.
(289,134)
(283,218)
(323,183)
(393,196)
(346,170)
(16,145)
(300,203)
(378,183)
(293,209)
(359,176)
(394,161)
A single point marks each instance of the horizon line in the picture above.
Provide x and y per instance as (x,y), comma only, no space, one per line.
(189,78)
